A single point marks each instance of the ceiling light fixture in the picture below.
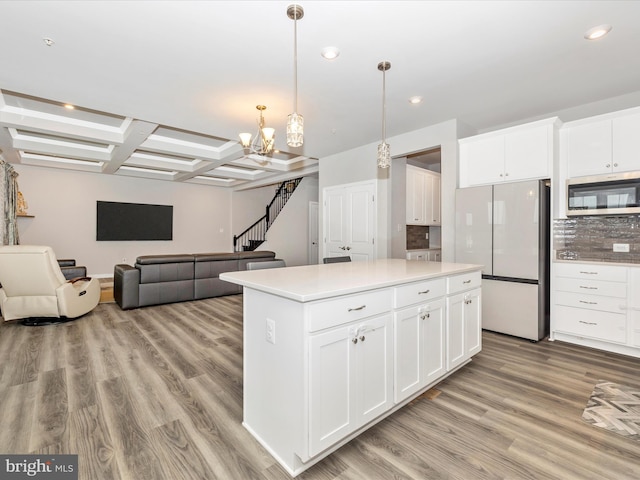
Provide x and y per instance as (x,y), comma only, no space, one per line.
(48,41)
(264,140)
(415,100)
(597,32)
(330,53)
(295,121)
(384,151)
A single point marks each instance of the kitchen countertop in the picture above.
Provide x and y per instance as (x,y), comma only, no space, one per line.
(315,282)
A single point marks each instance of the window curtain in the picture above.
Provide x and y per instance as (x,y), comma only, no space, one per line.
(9,201)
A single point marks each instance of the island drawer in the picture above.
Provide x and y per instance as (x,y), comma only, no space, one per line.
(466,281)
(341,310)
(418,292)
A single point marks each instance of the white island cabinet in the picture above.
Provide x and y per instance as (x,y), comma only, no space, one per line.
(329,350)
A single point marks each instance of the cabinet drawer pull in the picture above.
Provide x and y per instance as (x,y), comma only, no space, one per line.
(356,308)
(588,288)
(588,303)
(587,323)
(589,273)
(425,291)
(467,281)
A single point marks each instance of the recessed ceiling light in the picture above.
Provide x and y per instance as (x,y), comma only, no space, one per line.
(597,32)
(330,53)
(48,41)
(68,106)
(415,100)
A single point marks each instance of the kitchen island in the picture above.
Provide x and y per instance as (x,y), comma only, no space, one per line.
(329,350)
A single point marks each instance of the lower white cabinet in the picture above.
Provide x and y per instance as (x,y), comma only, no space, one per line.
(597,305)
(350,379)
(464,314)
(420,346)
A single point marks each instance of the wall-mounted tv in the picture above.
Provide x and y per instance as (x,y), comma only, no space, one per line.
(133,221)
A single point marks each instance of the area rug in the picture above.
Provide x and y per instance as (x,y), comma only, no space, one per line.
(616,408)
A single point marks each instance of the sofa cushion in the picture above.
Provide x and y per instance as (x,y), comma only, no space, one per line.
(165,272)
(172,258)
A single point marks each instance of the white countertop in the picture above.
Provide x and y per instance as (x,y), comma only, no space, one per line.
(315,282)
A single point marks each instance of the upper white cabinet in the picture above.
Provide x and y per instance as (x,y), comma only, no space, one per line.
(517,153)
(423,196)
(604,145)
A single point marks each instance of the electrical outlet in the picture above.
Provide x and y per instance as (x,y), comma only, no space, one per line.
(426,236)
(621,247)
(271,331)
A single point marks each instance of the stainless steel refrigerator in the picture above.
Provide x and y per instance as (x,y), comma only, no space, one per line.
(505,227)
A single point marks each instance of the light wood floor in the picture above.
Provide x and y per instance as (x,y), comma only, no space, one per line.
(156,393)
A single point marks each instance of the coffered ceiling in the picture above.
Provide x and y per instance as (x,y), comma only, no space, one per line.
(161,89)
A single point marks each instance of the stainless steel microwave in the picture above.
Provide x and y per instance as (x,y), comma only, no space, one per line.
(614,194)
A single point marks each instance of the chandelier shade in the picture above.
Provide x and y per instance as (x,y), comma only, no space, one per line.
(264,140)
(295,121)
(384,150)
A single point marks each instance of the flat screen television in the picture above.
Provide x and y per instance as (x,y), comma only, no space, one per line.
(133,221)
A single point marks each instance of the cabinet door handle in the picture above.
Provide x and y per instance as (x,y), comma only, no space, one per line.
(362,338)
(590,273)
(354,340)
(424,291)
(588,303)
(587,323)
(615,164)
(588,288)
(425,316)
(608,165)
(348,248)
(356,308)
(341,248)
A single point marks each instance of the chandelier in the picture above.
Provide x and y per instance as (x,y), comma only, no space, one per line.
(264,140)
(295,121)
(384,151)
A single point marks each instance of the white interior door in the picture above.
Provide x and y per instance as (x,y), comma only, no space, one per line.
(349,221)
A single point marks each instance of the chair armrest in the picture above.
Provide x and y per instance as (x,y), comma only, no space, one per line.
(76,299)
(126,286)
(66,262)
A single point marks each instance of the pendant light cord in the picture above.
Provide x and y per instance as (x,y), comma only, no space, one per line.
(295,61)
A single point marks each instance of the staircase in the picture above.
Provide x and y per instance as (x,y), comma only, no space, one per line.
(255,235)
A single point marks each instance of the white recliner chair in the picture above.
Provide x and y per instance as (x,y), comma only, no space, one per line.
(33,286)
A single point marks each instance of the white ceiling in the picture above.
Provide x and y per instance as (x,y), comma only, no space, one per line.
(162,88)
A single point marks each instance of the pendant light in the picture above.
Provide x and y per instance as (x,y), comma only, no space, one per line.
(384,151)
(295,121)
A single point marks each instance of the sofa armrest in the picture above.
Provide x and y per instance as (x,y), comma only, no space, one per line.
(126,286)
(73,272)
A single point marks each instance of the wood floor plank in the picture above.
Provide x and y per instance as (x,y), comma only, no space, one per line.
(50,425)
(17,407)
(90,440)
(136,456)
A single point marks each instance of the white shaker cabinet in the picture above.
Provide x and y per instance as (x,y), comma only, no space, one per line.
(419,337)
(516,153)
(350,379)
(423,196)
(604,144)
(464,317)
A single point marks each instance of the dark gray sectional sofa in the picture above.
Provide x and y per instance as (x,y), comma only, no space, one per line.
(158,279)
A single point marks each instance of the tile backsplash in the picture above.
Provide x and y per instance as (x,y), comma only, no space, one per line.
(592,238)
(416,237)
